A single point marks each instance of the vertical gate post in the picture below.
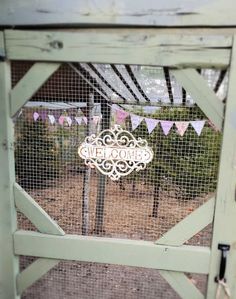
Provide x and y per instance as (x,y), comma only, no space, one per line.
(8,223)
(224,230)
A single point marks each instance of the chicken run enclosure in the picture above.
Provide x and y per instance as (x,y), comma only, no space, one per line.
(117,159)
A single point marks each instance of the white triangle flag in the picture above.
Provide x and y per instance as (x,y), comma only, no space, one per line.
(198,126)
(181,127)
(151,124)
(51,118)
(135,121)
(69,121)
(84,118)
(78,120)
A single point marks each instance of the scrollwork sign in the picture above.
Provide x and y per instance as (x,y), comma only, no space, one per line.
(115,152)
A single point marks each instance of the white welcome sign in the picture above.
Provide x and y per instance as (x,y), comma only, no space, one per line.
(115,152)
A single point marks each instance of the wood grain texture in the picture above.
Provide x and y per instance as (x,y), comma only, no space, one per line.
(190,225)
(224,230)
(120,46)
(9,266)
(30,83)
(113,251)
(205,98)
(119,12)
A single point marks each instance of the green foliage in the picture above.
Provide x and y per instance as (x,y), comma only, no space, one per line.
(189,163)
(37,159)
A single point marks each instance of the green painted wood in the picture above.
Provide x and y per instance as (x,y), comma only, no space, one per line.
(205,98)
(30,83)
(118,12)
(224,230)
(29,207)
(117,46)
(182,285)
(113,251)
(9,266)
(33,272)
(190,225)
(2,47)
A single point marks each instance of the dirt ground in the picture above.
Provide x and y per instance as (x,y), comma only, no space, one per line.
(127,214)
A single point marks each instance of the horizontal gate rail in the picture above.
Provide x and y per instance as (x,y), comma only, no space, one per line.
(151,48)
(113,251)
(118,13)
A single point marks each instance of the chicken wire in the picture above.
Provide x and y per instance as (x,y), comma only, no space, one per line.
(141,206)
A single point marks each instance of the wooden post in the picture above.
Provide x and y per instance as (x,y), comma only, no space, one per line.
(224,229)
(87,174)
(9,266)
(106,114)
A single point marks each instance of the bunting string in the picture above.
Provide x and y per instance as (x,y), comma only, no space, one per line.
(120,116)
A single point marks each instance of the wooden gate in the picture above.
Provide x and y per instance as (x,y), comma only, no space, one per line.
(183,54)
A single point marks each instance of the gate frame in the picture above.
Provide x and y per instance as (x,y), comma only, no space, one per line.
(168,254)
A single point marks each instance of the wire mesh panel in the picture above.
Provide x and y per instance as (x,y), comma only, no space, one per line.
(83,99)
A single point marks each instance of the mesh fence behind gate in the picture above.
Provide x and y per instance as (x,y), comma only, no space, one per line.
(144,205)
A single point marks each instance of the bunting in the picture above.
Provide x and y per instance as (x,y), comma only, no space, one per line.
(166,126)
(35,116)
(181,127)
(51,118)
(198,125)
(120,116)
(151,124)
(135,121)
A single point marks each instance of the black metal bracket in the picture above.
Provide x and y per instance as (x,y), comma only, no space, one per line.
(224,248)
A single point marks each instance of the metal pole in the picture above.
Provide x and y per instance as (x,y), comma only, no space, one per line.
(106,114)
(87,174)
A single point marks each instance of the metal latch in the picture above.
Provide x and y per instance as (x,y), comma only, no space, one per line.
(224,248)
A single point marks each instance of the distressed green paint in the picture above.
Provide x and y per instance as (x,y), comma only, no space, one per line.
(33,272)
(29,207)
(8,261)
(113,251)
(182,285)
(2,48)
(205,98)
(44,224)
(115,13)
(190,225)
(30,83)
(224,230)
(117,46)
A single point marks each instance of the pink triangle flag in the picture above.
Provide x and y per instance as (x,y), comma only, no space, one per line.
(78,120)
(35,116)
(166,126)
(121,116)
(135,121)
(198,126)
(151,124)
(84,118)
(51,118)
(61,120)
(69,121)
(181,127)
